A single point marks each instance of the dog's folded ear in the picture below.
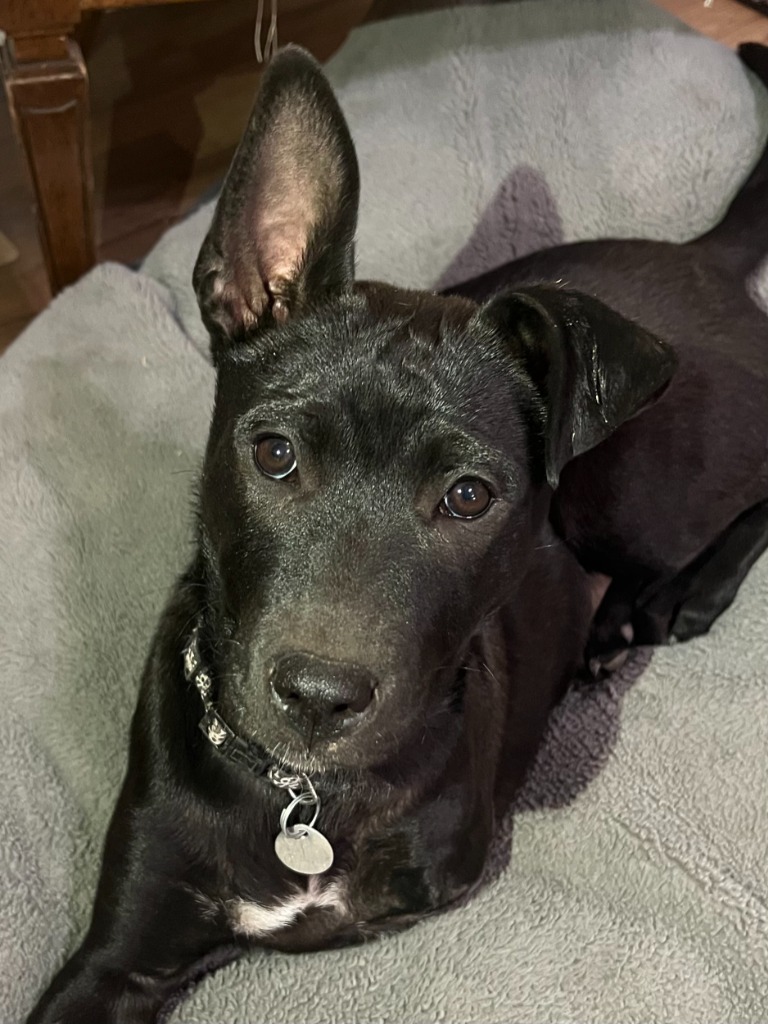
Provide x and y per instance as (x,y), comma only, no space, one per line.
(283,232)
(590,368)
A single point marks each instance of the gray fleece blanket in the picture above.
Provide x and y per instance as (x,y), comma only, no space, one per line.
(636,889)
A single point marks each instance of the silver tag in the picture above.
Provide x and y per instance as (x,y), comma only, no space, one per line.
(308,854)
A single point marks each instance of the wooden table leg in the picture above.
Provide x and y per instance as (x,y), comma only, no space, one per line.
(47,86)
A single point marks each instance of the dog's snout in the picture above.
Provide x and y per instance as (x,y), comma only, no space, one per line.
(318,696)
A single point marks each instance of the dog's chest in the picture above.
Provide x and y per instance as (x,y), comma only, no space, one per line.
(315,906)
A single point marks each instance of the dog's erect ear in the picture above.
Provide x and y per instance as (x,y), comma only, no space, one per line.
(591,369)
(283,231)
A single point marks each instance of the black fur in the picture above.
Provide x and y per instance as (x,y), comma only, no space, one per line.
(427,650)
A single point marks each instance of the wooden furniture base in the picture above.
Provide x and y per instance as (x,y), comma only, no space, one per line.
(48,99)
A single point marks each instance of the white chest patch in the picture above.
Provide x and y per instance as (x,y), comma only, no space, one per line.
(257,919)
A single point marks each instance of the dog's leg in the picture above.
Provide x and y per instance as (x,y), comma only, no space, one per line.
(89,991)
(687,605)
(612,633)
(130,966)
(150,926)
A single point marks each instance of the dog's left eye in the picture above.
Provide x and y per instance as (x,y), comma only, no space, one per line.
(275,457)
(467,499)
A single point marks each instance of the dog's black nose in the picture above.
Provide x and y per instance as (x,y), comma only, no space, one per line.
(321,696)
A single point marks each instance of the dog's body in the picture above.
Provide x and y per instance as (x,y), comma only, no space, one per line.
(661,503)
(388,596)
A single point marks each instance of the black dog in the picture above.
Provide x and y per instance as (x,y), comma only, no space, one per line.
(382,611)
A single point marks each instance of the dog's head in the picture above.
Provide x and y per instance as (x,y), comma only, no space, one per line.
(380,461)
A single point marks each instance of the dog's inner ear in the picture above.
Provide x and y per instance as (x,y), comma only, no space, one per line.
(282,234)
(591,369)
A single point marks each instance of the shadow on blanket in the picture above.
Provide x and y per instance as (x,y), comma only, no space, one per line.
(521,218)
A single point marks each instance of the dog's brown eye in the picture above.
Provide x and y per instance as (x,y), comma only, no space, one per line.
(275,457)
(467,499)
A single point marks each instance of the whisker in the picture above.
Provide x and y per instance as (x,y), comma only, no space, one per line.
(488,669)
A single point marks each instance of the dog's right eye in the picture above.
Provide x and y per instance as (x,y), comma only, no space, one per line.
(467,499)
(275,457)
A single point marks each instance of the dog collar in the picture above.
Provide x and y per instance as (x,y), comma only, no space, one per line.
(300,847)
(212,725)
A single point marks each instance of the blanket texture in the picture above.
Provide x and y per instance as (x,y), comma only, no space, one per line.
(636,887)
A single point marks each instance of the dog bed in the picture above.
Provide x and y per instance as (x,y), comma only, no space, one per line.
(636,889)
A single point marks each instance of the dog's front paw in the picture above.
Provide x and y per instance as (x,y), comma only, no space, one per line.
(108,999)
(608,649)
(607,654)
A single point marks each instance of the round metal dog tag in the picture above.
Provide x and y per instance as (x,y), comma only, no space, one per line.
(309,853)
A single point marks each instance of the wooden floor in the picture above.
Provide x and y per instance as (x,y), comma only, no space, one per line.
(171,88)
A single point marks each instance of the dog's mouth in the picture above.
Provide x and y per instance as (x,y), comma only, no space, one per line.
(288,759)
(345,755)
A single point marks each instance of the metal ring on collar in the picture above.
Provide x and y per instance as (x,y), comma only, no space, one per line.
(300,829)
